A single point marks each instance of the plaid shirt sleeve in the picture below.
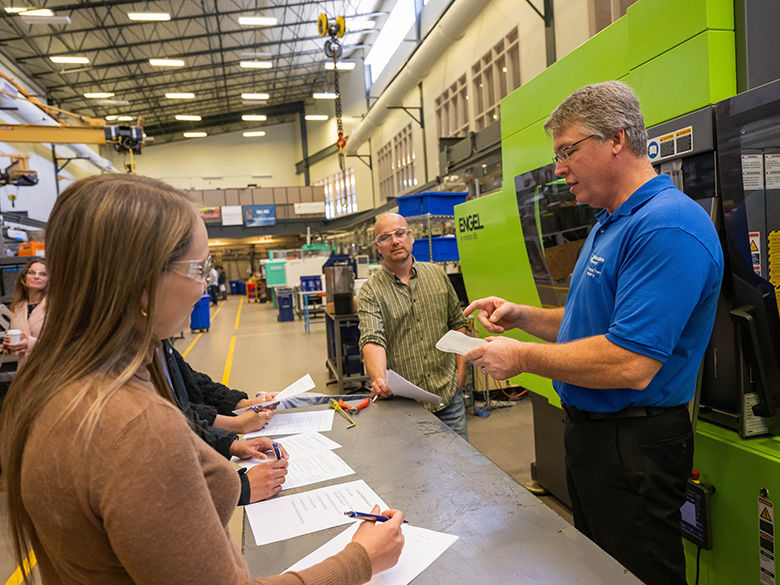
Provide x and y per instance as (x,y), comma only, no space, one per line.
(372,325)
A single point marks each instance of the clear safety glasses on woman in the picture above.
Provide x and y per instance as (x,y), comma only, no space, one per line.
(197,270)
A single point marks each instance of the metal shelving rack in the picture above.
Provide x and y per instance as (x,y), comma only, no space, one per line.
(428,218)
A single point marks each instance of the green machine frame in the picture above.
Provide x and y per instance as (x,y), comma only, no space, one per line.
(678,57)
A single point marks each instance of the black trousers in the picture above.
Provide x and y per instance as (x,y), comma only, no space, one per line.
(627,479)
(213,292)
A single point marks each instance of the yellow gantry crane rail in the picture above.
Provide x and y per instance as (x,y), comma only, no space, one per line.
(123,137)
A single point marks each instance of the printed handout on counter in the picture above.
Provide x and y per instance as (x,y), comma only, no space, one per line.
(285,517)
(293,423)
(421,548)
(307,469)
(305,444)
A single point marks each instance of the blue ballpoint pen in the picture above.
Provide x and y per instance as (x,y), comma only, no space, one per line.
(367,516)
(276,450)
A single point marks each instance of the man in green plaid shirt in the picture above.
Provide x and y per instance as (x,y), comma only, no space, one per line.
(404,310)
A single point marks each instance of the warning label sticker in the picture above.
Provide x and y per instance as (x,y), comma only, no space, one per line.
(755,251)
(766,541)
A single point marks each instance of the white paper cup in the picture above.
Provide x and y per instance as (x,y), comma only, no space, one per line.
(14,335)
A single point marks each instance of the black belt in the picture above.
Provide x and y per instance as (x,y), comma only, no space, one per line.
(578,415)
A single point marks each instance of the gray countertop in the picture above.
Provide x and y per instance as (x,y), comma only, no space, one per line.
(417,464)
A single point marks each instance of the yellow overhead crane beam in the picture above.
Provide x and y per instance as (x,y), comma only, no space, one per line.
(95,131)
(122,137)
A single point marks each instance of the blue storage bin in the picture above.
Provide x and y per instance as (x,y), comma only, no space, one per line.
(311,283)
(443,249)
(233,287)
(241,287)
(284,297)
(432,202)
(201,314)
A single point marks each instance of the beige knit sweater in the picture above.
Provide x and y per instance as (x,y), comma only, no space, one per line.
(147,502)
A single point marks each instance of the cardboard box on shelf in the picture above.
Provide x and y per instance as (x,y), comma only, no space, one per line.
(280,195)
(263,196)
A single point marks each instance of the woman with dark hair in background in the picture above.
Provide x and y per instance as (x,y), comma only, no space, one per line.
(28,307)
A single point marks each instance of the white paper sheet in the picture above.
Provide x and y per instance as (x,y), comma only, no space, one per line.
(307,444)
(320,466)
(292,423)
(458,342)
(400,386)
(421,548)
(300,386)
(289,516)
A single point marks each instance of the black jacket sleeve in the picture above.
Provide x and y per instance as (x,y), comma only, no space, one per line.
(219,439)
(203,390)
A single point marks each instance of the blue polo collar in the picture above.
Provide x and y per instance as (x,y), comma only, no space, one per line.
(637,199)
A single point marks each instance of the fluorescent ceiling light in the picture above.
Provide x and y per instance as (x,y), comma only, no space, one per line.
(324,95)
(17,9)
(316,117)
(254,117)
(340,65)
(253,133)
(180,96)
(149,16)
(256,64)
(187,118)
(256,54)
(254,96)
(66,59)
(113,102)
(194,134)
(262,176)
(37,12)
(37,17)
(98,95)
(125,119)
(257,20)
(111,118)
(166,62)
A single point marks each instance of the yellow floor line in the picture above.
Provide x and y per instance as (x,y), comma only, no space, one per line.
(214,316)
(194,341)
(238,315)
(18,577)
(229,361)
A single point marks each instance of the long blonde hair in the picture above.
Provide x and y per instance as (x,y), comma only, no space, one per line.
(20,294)
(109,238)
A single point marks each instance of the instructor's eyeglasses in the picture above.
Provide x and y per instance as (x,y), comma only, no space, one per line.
(399,233)
(564,153)
(197,270)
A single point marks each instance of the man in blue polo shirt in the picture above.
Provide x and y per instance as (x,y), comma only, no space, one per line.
(629,342)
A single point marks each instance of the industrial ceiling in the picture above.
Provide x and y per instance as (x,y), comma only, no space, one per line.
(206,42)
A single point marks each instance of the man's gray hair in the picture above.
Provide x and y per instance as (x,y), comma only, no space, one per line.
(603,109)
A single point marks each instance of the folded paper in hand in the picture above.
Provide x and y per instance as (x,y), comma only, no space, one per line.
(298,387)
(400,386)
(457,342)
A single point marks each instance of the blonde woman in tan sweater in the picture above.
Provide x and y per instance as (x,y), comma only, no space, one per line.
(106,482)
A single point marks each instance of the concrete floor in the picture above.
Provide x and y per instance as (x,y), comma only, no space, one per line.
(268,355)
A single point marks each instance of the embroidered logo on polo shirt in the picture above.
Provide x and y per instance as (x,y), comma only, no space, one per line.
(595,264)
